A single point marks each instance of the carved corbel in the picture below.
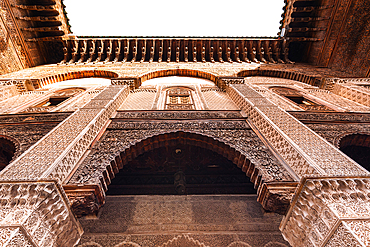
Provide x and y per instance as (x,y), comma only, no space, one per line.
(125,53)
(285,47)
(268,51)
(177,54)
(237,55)
(74,51)
(211,58)
(143,53)
(83,51)
(100,51)
(186,54)
(245,55)
(252,52)
(117,51)
(276,51)
(220,55)
(134,53)
(260,52)
(109,52)
(194,54)
(228,54)
(169,54)
(65,51)
(91,51)
(151,58)
(203,54)
(160,52)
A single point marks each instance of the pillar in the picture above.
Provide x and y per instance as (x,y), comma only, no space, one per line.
(331,206)
(34,210)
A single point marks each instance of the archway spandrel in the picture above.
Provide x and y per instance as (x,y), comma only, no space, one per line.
(234,140)
(124,136)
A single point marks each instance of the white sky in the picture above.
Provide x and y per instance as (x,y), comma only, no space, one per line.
(174,18)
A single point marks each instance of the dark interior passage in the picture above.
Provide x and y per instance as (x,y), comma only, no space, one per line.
(180,169)
(357,147)
(7,150)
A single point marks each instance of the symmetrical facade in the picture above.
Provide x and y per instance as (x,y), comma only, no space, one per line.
(98,135)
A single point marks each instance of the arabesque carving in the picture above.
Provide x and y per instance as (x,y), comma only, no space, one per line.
(178,114)
(69,140)
(36,214)
(331,211)
(306,152)
(356,90)
(7,92)
(183,240)
(236,134)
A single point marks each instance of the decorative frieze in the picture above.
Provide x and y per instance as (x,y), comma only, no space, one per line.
(224,82)
(130,82)
(178,114)
(343,117)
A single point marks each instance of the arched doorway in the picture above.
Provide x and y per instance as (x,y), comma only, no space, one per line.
(357,147)
(181,163)
(180,168)
(150,200)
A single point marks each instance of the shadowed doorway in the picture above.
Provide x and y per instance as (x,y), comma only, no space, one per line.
(180,169)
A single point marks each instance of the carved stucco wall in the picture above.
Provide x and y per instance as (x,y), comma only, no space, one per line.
(331,171)
(27,129)
(121,135)
(192,220)
(128,133)
(13,55)
(300,148)
(327,98)
(40,209)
